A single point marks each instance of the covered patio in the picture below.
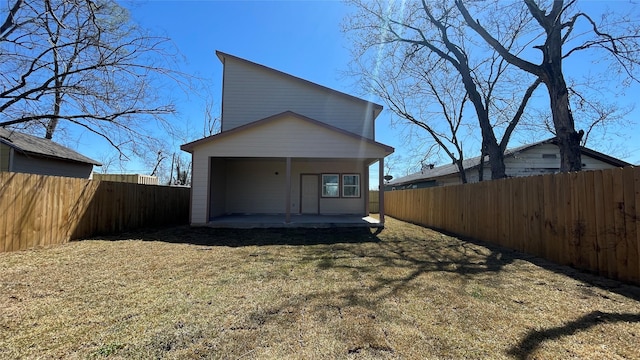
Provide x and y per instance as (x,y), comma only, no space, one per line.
(284,171)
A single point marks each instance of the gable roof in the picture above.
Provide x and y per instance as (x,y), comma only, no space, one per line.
(189,147)
(377,107)
(33,145)
(473,163)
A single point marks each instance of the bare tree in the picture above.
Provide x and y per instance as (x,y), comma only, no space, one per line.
(557,21)
(424,42)
(84,63)
(180,171)
(417,95)
(211,120)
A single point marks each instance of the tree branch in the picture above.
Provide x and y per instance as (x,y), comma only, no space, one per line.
(110,118)
(495,44)
(516,117)
(9,24)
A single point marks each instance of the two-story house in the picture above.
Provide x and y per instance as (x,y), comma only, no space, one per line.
(290,150)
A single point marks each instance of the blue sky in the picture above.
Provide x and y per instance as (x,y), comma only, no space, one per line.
(302,38)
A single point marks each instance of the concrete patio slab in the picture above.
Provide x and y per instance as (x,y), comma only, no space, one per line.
(254,221)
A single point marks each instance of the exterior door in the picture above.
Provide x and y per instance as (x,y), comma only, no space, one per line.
(309,194)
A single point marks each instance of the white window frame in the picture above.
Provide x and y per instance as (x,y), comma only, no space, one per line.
(356,186)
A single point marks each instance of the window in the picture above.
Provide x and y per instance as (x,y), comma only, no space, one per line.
(548,156)
(351,185)
(330,185)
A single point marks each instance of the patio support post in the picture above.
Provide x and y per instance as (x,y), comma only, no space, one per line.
(381,189)
(287,218)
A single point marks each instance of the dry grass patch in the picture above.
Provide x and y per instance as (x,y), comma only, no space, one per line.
(408,292)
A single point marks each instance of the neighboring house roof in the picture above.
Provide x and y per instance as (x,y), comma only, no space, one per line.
(377,107)
(473,163)
(189,147)
(33,145)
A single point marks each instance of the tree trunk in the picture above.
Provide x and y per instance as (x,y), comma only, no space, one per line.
(496,158)
(53,123)
(568,138)
(461,171)
(550,71)
(57,102)
(496,161)
(483,153)
(553,77)
(491,146)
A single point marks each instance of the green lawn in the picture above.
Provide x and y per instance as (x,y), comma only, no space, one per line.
(407,293)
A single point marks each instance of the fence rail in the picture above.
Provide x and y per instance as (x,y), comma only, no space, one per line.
(39,211)
(588,220)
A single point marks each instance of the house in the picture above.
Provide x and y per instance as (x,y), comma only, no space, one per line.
(25,153)
(538,158)
(127,178)
(289,151)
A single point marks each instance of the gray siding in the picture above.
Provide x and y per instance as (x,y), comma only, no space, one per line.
(537,160)
(251,93)
(49,166)
(290,136)
(200,186)
(258,186)
(5,153)
(217,192)
(255,186)
(330,206)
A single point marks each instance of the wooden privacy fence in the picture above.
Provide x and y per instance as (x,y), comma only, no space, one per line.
(588,220)
(374,201)
(38,211)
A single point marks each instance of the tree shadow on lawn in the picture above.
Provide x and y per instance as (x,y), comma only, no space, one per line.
(465,257)
(431,252)
(462,255)
(535,338)
(418,255)
(205,236)
(589,278)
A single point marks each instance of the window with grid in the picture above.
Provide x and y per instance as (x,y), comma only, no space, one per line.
(351,185)
(330,185)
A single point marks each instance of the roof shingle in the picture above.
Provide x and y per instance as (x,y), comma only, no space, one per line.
(30,144)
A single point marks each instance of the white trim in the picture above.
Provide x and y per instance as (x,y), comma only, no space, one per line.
(288,191)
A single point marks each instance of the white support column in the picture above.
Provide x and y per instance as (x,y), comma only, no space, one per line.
(381,189)
(365,189)
(287,218)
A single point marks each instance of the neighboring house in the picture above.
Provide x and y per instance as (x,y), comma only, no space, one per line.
(30,154)
(533,159)
(287,147)
(127,178)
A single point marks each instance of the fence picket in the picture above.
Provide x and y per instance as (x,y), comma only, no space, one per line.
(636,186)
(631,223)
(600,224)
(591,230)
(619,219)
